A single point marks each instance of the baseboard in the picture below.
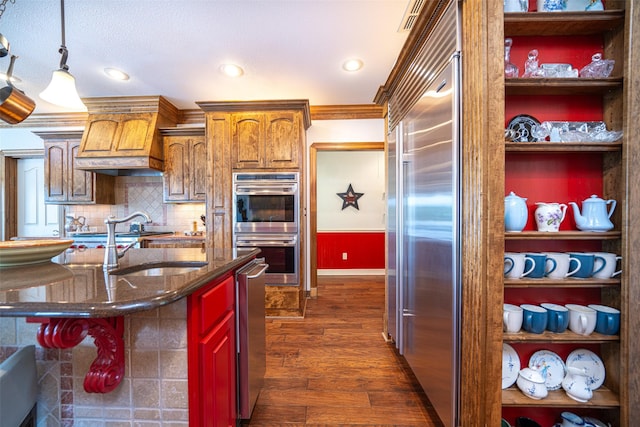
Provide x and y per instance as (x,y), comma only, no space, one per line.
(352,272)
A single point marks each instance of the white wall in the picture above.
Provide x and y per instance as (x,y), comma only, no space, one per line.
(19,139)
(364,170)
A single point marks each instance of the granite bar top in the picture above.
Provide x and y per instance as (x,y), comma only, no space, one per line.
(74,284)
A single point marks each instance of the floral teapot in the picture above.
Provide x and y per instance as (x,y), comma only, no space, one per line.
(594,215)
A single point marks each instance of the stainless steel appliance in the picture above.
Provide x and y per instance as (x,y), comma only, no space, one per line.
(251,335)
(266,213)
(424,287)
(280,250)
(266,202)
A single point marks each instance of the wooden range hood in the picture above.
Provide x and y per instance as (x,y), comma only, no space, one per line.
(122,135)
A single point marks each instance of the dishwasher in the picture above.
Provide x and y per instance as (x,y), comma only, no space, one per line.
(251,334)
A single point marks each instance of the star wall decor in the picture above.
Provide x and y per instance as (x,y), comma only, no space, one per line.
(350,198)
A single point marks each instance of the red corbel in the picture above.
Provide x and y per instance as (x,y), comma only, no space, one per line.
(107,370)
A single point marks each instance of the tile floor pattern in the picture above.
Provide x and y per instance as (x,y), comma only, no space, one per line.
(333,368)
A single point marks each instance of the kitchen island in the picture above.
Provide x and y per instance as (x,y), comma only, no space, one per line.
(139,319)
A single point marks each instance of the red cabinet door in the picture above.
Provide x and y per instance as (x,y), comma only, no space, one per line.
(212,354)
(218,375)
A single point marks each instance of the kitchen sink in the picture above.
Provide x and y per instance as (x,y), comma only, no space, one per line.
(165,268)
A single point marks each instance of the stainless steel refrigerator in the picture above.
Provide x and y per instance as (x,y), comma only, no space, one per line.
(430,245)
(423,230)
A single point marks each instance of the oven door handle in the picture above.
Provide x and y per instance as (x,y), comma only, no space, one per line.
(255,243)
(259,190)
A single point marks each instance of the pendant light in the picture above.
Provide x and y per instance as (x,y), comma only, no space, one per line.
(62,89)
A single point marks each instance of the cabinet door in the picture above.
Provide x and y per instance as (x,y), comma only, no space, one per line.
(198,169)
(218,385)
(176,169)
(282,149)
(55,171)
(135,135)
(247,148)
(100,134)
(80,183)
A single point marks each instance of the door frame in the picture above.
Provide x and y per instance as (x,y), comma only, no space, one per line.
(9,187)
(313,193)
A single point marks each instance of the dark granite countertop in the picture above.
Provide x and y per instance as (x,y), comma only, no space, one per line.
(75,284)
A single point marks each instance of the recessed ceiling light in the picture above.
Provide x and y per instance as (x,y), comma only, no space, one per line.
(232,70)
(116,74)
(352,65)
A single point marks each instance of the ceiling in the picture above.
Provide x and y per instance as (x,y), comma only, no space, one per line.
(289,49)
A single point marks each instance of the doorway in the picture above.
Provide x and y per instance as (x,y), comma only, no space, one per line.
(313,196)
(24,212)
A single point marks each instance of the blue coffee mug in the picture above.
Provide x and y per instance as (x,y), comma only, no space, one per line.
(607,319)
(534,318)
(587,263)
(557,317)
(542,266)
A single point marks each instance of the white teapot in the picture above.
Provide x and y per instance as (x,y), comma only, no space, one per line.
(594,215)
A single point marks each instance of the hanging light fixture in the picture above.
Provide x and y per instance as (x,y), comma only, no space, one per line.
(62,89)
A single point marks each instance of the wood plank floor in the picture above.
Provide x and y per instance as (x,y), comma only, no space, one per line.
(333,368)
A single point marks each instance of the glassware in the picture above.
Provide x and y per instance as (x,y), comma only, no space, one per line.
(598,68)
(531,68)
(510,70)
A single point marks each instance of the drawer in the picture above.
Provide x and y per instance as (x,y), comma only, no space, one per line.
(215,303)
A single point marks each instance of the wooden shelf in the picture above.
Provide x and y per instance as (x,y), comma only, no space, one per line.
(555,147)
(563,235)
(561,338)
(560,283)
(602,398)
(561,23)
(564,86)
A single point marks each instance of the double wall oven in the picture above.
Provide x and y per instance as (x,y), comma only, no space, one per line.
(266,212)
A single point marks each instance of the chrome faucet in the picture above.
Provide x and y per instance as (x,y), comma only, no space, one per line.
(111,253)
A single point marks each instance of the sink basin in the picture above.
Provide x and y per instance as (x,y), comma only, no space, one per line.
(166,268)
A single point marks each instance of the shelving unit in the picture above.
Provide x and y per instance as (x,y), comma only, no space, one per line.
(598,99)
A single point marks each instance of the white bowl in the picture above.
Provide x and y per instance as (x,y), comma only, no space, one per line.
(532,384)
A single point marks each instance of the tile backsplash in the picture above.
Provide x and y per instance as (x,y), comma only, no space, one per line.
(142,193)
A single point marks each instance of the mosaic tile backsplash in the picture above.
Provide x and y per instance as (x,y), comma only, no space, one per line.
(142,193)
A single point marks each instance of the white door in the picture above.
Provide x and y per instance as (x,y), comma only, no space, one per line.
(35,219)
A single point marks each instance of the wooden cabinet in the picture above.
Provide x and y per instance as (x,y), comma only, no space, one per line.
(173,242)
(64,183)
(564,172)
(185,169)
(212,354)
(267,140)
(123,133)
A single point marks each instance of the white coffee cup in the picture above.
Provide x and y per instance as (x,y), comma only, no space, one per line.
(563,260)
(610,264)
(522,265)
(582,319)
(511,318)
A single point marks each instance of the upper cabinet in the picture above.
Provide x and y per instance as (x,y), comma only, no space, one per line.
(123,133)
(64,183)
(185,166)
(267,140)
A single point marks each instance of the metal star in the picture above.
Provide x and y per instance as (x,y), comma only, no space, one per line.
(350,198)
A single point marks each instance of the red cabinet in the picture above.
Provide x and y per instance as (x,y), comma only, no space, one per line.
(212,354)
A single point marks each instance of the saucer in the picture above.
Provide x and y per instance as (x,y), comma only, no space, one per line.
(588,360)
(551,366)
(510,366)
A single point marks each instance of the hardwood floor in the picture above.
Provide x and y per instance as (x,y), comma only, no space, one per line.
(333,368)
